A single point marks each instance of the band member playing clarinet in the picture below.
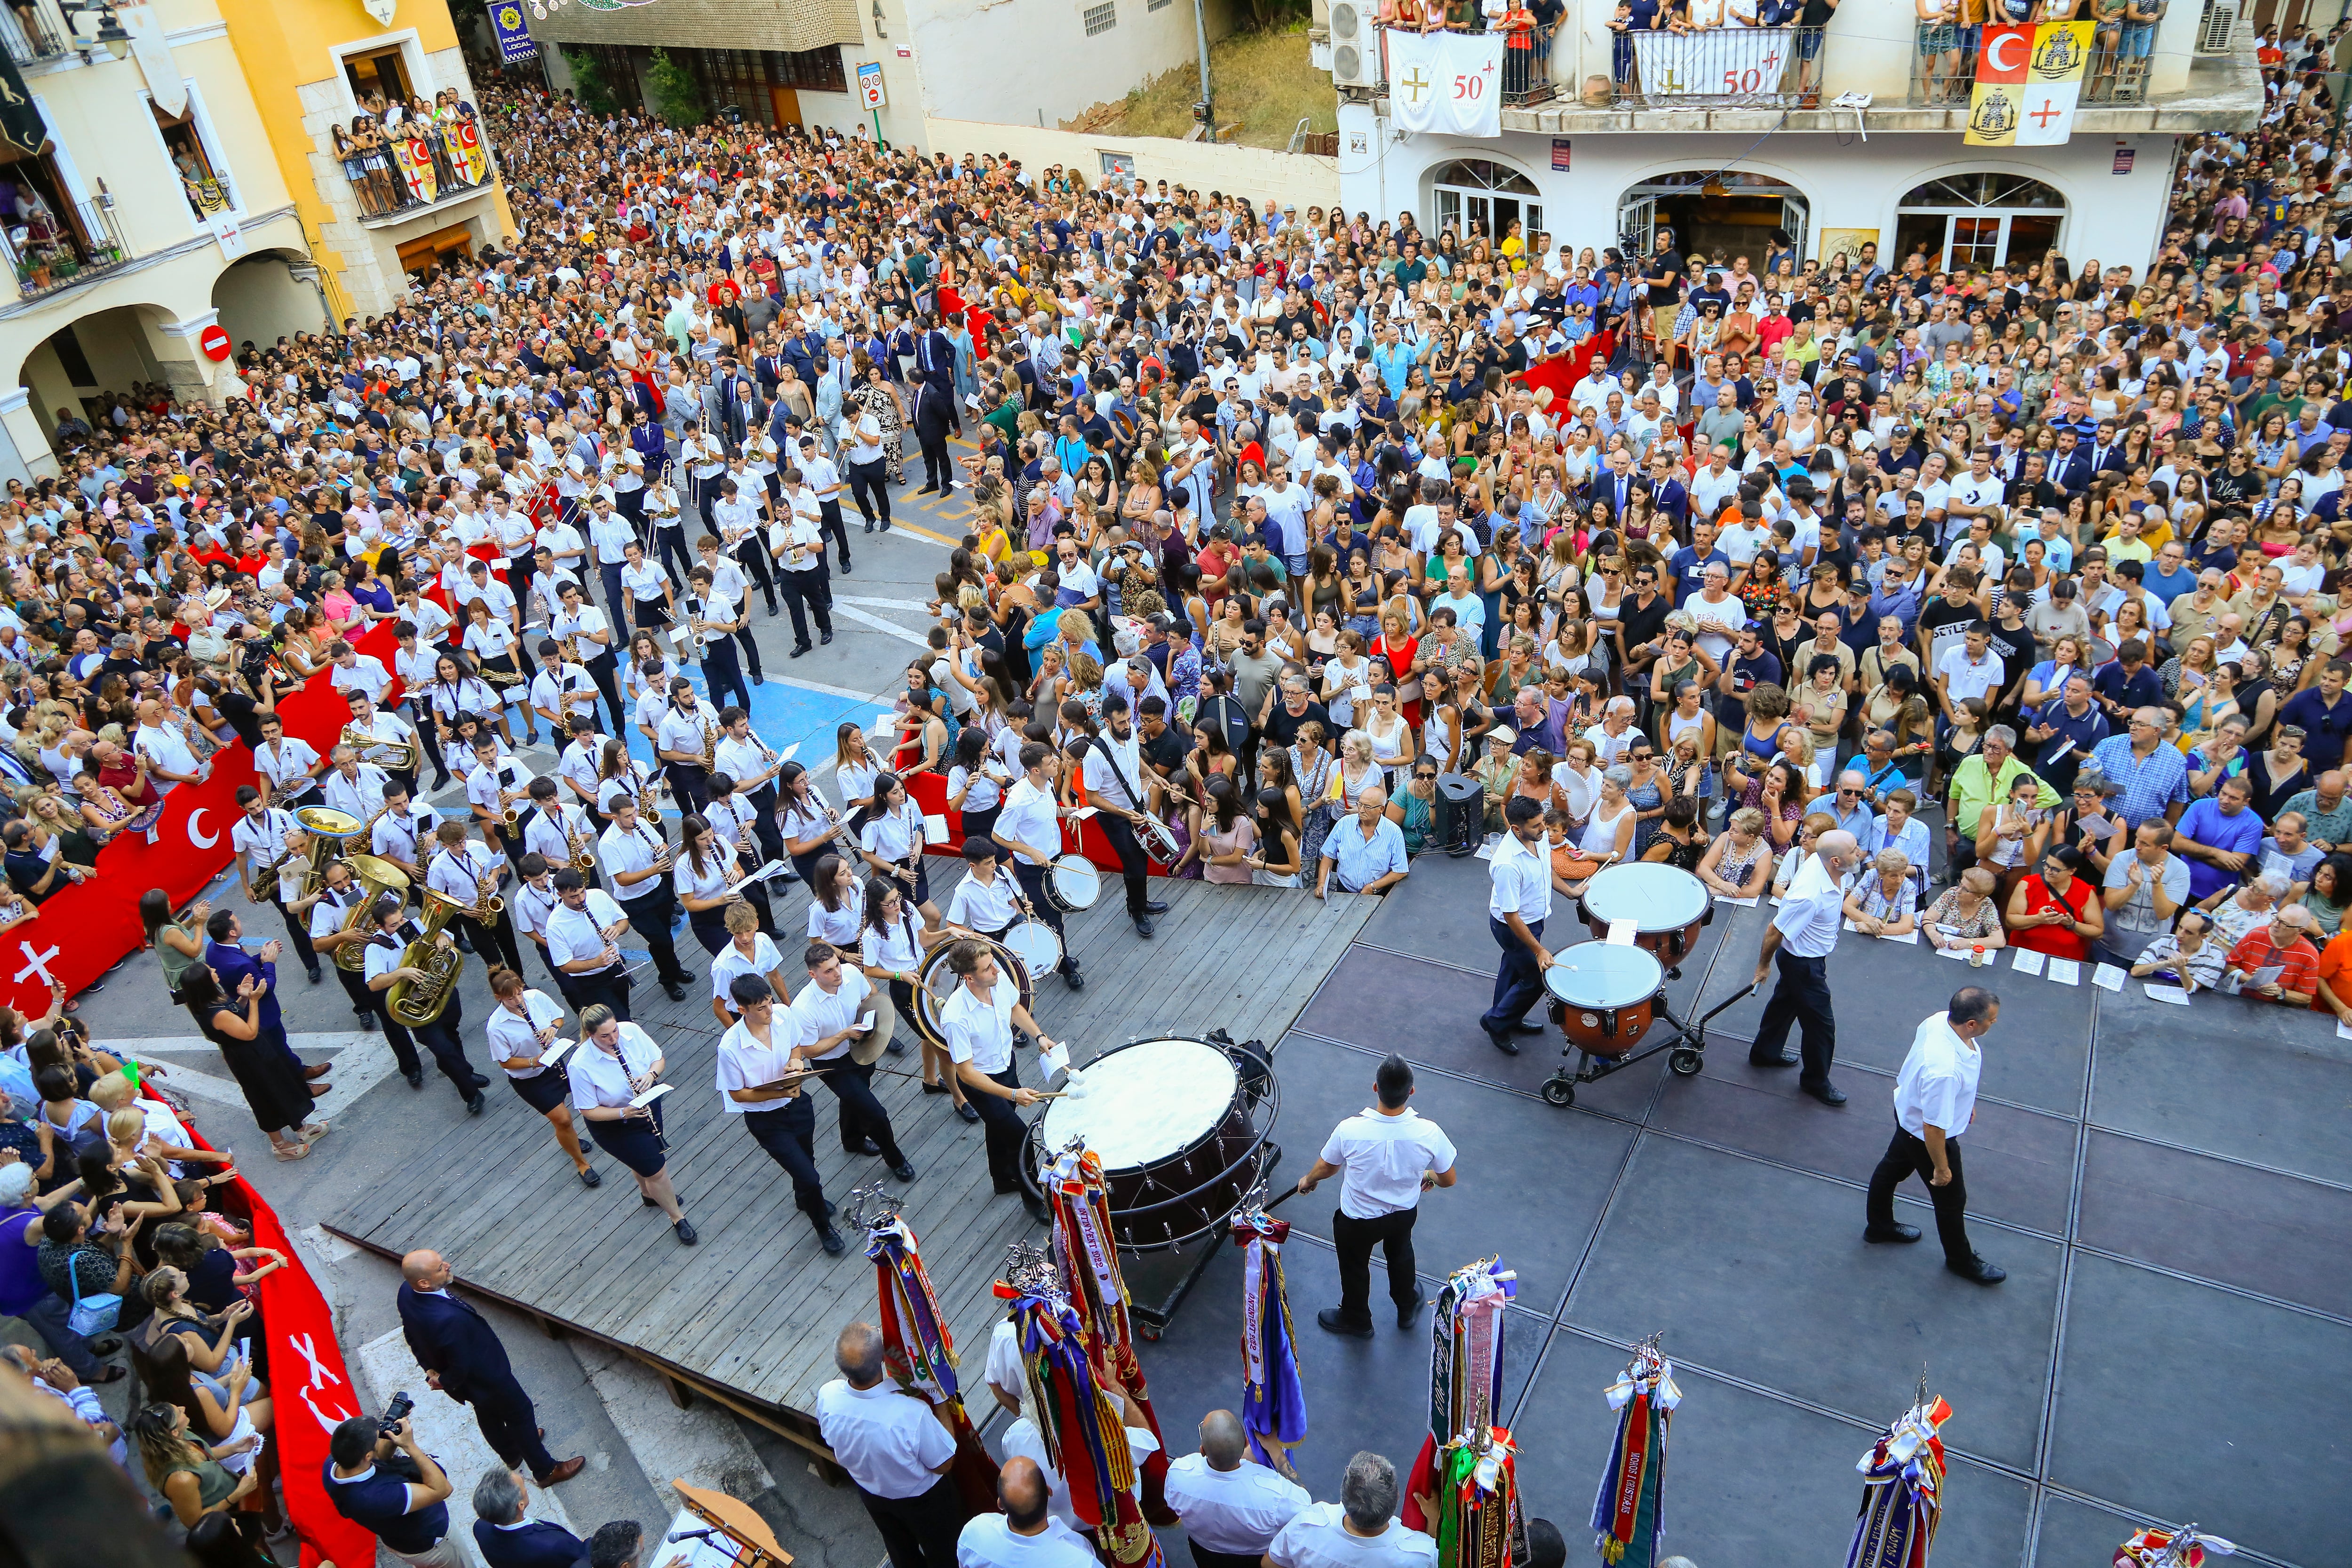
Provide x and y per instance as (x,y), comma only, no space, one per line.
(892,844)
(522,1025)
(584,935)
(762,1078)
(615,1062)
(1112,782)
(639,863)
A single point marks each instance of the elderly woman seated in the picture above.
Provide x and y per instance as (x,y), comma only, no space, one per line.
(2237,910)
(1880,897)
(1967,915)
(1739,864)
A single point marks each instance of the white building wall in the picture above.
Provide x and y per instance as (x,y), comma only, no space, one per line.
(1021,61)
(2116,218)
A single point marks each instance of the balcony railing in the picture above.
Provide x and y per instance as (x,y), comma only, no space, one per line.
(2115,75)
(1715,68)
(53,252)
(425,164)
(34,33)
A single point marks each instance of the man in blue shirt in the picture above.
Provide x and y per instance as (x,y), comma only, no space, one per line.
(2325,715)
(2131,682)
(409,1517)
(2220,838)
(1690,562)
(2066,728)
(2169,576)
(1364,854)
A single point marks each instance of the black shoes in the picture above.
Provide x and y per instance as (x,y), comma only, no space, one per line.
(674,990)
(759,679)
(367,1021)
(415,1077)
(1155,906)
(1828,1094)
(480,1082)
(799,650)
(1407,1314)
(588,1178)
(1502,1042)
(863,1146)
(829,1239)
(1527,1026)
(967,1111)
(1073,978)
(935,1089)
(903,1170)
(1977,1271)
(1332,1320)
(1143,927)
(646,1198)
(826,637)
(314,975)
(1780,1061)
(684,1228)
(869,525)
(1890,1233)
(1037,1210)
(474,1105)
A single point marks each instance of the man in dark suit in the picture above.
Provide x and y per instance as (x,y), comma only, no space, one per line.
(935,415)
(507,1539)
(232,964)
(462,1357)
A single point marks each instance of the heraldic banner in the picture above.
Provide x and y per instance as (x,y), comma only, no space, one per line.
(1717,61)
(2027,81)
(1447,82)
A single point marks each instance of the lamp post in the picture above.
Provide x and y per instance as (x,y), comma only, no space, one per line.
(104,29)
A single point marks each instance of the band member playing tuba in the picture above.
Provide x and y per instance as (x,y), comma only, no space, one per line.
(387,962)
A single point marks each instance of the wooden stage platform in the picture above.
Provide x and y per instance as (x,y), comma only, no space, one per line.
(748,1316)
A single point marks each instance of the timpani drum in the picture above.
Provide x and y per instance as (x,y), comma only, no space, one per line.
(1604,997)
(1179,1140)
(1667,906)
(937,982)
(1072,883)
(1035,945)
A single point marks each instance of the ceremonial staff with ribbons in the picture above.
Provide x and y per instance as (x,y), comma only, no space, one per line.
(2155,1547)
(1463,1489)
(1274,1399)
(1902,1489)
(916,1345)
(1629,1511)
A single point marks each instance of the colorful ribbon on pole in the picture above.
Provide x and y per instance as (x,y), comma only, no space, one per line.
(1474,1528)
(1628,1513)
(918,1347)
(2158,1548)
(1274,1399)
(1902,1491)
(1085,1436)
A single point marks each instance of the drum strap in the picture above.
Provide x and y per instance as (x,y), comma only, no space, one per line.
(1116,772)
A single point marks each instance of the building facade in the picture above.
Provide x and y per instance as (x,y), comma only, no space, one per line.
(153,210)
(1596,156)
(317,67)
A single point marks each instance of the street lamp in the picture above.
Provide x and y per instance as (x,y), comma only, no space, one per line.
(107,34)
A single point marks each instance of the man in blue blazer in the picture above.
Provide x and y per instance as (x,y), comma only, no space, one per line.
(507,1539)
(462,1357)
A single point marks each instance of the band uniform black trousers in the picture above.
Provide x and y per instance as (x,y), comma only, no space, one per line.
(298,935)
(602,670)
(862,1116)
(649,923)
(1006,1130)
(1802,995)
(1518,983)
(1033,887)
(1354,1241)
(445,1038)
(722,673)
(1908,1156)
(1133,864)
(808,594)
(919,1532)
(494,937)
(690,782)
(869,487)
(830,525)
(1205,1558)
(764,831)
(751,554)
(788,1132)
(371,1003)
(609,986)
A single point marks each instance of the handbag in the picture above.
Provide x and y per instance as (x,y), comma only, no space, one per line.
(91,1315)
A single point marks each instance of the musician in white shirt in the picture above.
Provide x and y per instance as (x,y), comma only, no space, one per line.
(892,844)
(590,632)
(835,1013)
(978,1021)
(1232,1507)
(403,834)
(522,1025)
(1113,774)
(711,621)
(493,788)
(688,725)
(532,905)
(354,787)
(796,542)
(267,838)
(576,767)
(387,965)
(754,765)
(550,825)
(749,950)
(1028,1533)
(290,764)
(760,1080)
(987,902)
(385,731)
(1029,824)
(728,582)
(471,875)
(614,1065)
(638,862)
(562,691)
(583,933)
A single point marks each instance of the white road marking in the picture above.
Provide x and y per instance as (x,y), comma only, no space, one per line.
(701,1446)
(878,623)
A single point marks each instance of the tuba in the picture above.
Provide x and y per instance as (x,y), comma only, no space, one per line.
(418,1003)
(373,878)
(399,756)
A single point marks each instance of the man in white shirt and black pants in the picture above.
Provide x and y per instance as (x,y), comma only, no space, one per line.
(898,1451)
(1515,911)
(1935,1101)
(1232,1507)
(1028,824)
(1386,1157)
(639,863)
(1111,769)
(1804,930)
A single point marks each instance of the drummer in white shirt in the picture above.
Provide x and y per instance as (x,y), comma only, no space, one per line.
(891,952)
(1517,908)
(834,1017)
(978,1021)
(1232,1507)
(523,1025)
(759,1080)
(1028,824)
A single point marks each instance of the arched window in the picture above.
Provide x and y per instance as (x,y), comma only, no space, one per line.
(1477,197)
(1978,220)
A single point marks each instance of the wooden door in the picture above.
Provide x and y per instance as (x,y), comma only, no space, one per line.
(787,104)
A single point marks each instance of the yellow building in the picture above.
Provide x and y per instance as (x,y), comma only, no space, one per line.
(317,65)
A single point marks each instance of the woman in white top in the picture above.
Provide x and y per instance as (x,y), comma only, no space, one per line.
(1346,673)
(854,770)
(612,1065)
(492,644)
(892,843)
(975,786)
(1356,771)
(704,869)
(1610,832)
(1579,782)
(1391,736)
(521,1027)
(837,910)
(891,952)
(648,586)
(620,776)
(456,690)
(804,818)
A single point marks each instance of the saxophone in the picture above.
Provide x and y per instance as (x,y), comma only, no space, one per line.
(709,744)
(583,859)
(488,905)
(415,1004)
(649,799)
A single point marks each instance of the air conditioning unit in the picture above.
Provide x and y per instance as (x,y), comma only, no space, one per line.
(2216,31)
(1355,45)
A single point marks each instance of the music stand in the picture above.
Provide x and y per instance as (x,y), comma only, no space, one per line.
(741,1531)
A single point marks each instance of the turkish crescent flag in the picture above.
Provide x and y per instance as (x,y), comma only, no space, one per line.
(2005,55)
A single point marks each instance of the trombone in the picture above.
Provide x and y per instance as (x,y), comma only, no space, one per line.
(399,756)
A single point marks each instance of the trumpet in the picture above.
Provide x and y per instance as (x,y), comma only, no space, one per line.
(399,757)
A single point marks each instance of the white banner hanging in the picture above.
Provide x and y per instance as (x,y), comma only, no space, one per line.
(1447,82)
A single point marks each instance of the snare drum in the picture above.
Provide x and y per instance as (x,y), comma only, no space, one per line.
(1035,945)
(1668,906)
(1169,1121)
(1072,883)
(936,984)
(1603,997)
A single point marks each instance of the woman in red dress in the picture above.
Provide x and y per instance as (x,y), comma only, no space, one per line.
(2056,911)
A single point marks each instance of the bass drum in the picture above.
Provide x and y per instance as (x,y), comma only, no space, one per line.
(937,982)
(1668,906)
(1181,1133)
(1604,997)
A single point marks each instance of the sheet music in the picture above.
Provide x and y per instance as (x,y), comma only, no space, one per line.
(865,1022)
(2108,977)
(1054,1061)
(653,1094)
(2067,970)
(1738,903)
(935,828)
(2027,961)
(1622,932)
(2180,998)
(554,1053)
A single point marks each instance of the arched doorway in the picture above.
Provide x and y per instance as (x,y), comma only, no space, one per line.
(1477,198)
(262,299)
(1722,214)
(1978,220)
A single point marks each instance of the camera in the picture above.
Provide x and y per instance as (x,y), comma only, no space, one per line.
(395,1413)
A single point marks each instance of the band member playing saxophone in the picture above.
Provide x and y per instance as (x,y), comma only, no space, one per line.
(689,729)
(472,874)
(559,832)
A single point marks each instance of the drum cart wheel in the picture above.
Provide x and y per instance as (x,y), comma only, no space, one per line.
(1687,1061)
(1560,1091)
(1686,1050)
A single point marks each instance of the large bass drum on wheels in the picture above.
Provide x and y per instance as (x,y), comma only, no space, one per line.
(1182,1127)
(936,983)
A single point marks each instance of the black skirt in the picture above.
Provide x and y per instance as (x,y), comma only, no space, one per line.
(649,614)
(633,1143)
(275,1089)
(542,1091)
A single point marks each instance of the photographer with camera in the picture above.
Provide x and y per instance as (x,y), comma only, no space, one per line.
(379,1479)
